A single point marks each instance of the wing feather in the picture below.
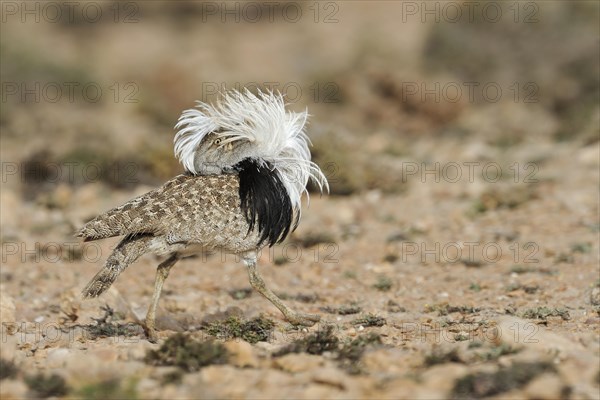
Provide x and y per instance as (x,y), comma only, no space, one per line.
(177,202)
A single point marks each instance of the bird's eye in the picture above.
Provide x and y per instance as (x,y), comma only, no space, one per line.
(217,141)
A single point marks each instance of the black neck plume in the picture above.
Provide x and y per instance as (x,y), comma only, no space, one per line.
(265,202)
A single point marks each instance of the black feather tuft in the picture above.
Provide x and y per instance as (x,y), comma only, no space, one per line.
(265,202)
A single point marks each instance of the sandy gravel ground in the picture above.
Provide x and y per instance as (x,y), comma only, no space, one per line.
(456,257)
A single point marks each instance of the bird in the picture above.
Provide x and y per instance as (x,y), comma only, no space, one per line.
(247,162)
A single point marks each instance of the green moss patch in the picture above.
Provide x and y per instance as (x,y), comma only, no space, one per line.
(187,353)
(544,312)
(345,309)
(47,385)
(108,389)
(369,320)
(383,284)
(8,369)
(107,326)
(255,330)
(315,343)
(445,309)
(348,353)
(484,384)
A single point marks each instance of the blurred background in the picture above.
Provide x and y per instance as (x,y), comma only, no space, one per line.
(435,122)
(105,82)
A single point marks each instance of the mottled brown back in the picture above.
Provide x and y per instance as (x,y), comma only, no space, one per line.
(194,209)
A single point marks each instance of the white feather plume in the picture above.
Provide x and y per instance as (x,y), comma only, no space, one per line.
(278,136)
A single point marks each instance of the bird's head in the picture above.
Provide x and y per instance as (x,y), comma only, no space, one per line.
(244,129)
(215,155)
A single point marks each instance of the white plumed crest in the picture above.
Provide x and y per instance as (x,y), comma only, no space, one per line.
(277,136)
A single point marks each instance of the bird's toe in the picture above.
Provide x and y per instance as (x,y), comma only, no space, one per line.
(303,319)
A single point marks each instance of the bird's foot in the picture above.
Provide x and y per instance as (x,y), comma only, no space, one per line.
(300,319)
(151,333)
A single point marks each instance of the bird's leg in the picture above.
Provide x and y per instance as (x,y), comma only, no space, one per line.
(162,272)
(258,284)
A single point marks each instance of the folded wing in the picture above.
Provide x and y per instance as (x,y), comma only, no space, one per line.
(179,202)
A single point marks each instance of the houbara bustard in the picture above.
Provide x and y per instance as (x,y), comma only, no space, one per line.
(247,163)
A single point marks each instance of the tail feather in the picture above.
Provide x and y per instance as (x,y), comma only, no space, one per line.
(147,213)
(122,220)
(102,281)
(128,250)
(112,223)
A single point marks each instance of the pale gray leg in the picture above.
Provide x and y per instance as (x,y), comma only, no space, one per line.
(162,272)
(259,285)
